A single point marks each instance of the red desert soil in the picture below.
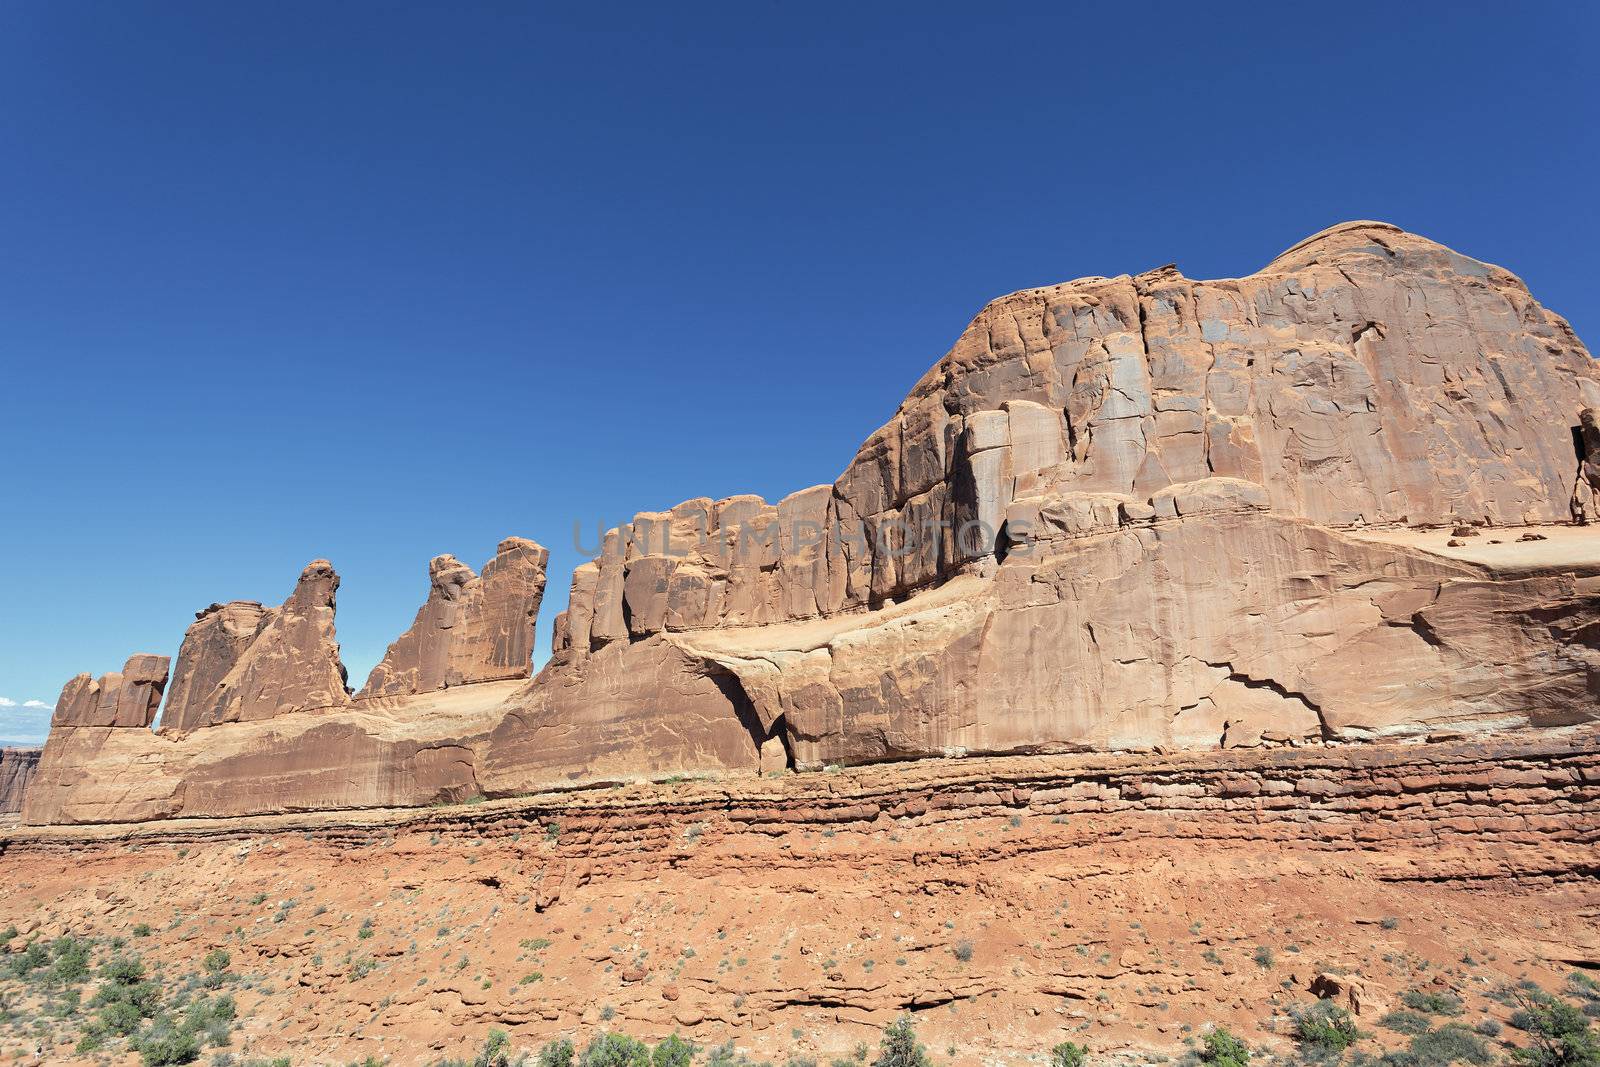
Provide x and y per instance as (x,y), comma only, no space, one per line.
(1123,901)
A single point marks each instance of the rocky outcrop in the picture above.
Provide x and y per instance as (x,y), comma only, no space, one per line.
(17,766)
(1365,376)
(1586,488)
(471,629)
(1122,513)
(240,662)
(126,698)
(211,648)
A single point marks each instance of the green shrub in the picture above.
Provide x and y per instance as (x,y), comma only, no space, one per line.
(123,970)
(615,1050)
(1560,1032)
(1406,1022)
(28,960)
(1263,957)
(71,961)
(168,1046)
(673,1052)
(1067,1054)
(1451,1043)
(556,1054)
(142,930)
(1222,1049)
(899,1047)
(120,1018)
(1431,1003)
(962,950)
(1326,1027)
(496,1048)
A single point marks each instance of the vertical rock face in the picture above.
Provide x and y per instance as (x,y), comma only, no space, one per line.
(232,671)
(1365,376)
(126,698)
(471,629)
(211,648)
(17,767)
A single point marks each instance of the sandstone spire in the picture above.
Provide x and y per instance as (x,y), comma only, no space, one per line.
(240,662)
(471,628)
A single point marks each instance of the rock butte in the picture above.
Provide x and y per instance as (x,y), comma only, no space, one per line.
(1121,513)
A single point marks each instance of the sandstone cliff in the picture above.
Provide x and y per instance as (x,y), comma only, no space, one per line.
(1293,508)
(17,766)
(471,629)
(1120,513)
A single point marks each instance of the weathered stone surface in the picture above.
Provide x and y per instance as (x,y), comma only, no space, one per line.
(125,698)
(324,758)
(1586,488)
(471,629)
(289,663)
(1121,513)
(1363,377)
(17,767)
(211,648)
(1143,478)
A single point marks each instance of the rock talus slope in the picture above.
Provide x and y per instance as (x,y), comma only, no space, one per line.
(1121,513)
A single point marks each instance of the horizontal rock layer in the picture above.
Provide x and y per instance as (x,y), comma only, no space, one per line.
(1024,898)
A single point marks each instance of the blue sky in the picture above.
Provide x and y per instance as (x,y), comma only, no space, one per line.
(374,281)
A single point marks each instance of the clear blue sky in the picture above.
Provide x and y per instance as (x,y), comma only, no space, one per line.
(378,281)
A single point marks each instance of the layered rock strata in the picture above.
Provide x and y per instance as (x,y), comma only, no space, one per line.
(17,766)
(1122,513)
(471,629)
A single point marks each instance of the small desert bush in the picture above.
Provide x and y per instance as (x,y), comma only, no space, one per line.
(1431,1003)
(1222,1049)
(1068,1054)
(1325,1027)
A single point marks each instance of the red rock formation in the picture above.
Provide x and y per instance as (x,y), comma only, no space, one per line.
(471,629)
(289,662)
(1119,514)
(211,648)
(123,698)
(17,767)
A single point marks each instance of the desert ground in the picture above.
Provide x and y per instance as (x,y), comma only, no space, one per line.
(1126,902)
